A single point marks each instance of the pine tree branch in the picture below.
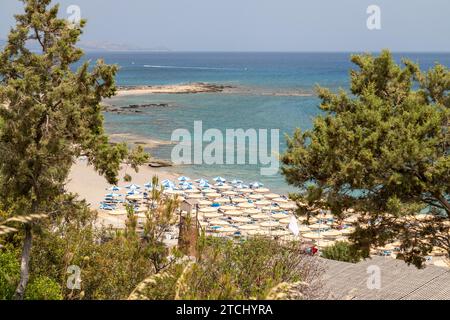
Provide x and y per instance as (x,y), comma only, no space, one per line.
(38,38)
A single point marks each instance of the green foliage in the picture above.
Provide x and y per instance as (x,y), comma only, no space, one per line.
(43,288)
(137,157)
(9,273)
(384,148)
(111,270)
(230,270)
(50,115)
(111,263)
(342,251)
(161,286)
(160,217)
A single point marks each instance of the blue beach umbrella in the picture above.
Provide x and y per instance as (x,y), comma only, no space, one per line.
(256,185)
(168,184)
(186,186)
(112,195)
(148,185)
(184,178)
(114,188)
(133,192)
(204,185)
(132,186)
(219,179)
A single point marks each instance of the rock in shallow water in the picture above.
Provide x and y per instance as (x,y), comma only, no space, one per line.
(134,108)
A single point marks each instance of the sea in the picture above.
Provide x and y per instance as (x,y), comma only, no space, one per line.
(273,91)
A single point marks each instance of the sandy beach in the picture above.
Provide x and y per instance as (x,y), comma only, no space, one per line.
(92,187)
(89,185)
(171,89)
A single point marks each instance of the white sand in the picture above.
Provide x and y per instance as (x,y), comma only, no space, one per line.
(92,187)
(89,185)
(169,89)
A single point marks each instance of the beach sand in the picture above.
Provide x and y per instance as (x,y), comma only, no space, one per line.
(200,87)
(171,89)
(89,185)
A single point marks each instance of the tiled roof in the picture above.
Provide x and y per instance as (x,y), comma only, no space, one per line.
(398,280)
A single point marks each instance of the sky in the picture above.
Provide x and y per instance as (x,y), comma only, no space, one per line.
(259,25)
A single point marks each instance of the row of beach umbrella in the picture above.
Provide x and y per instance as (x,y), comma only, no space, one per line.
(232,208)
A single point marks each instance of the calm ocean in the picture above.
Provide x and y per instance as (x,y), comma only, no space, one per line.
(267,103)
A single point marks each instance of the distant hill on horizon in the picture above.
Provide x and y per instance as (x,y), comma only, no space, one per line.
(109,46)
(90,46)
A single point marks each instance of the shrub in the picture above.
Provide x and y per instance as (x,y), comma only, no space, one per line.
(9,274)
(43,288)
(111,264)
(228,270)
(342,251)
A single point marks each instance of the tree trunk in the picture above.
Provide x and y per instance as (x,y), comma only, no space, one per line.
(24,264)
(444,202)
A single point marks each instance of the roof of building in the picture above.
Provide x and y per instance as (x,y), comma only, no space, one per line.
(399,281)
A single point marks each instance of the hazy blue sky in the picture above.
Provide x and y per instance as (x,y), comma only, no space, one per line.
(260,25)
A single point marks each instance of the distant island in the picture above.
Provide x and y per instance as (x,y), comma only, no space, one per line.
(110,46)
(99,46)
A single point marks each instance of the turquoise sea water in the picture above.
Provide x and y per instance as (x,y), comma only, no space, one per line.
(269,80)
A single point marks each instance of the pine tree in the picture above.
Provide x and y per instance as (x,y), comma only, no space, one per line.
(383,149)
(50,115)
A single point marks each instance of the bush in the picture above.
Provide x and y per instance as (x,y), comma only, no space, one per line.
(9,274)
(110,268)
(228,270)
(113,269)
(342,251)
(43,288)
(112,263)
